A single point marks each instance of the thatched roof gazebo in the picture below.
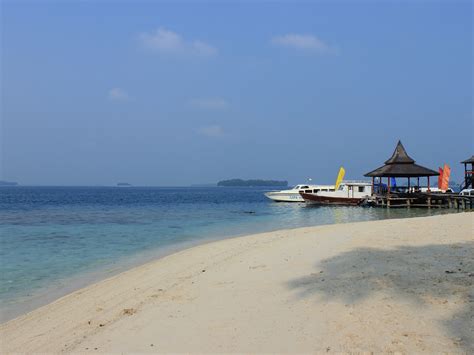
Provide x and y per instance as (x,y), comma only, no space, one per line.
(401,165)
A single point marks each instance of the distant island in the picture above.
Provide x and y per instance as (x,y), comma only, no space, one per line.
(8,183)
(252,183)
(124,184)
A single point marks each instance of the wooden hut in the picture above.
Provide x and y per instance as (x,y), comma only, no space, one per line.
(400,165)
(468,178)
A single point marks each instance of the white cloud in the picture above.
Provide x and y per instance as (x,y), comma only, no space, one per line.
(204,49)
(304,42)
(169,42)
(118,94)
(210,103)
(213,131)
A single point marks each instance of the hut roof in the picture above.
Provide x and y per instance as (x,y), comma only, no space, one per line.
(402,170)
(401,165)
(468,161)
(400,156)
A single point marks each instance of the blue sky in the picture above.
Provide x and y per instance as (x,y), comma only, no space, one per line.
(162,93)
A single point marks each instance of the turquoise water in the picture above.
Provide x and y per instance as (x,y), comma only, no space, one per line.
(56,239)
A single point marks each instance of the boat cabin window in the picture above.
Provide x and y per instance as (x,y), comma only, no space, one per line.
(308,191)
(316,191)
(332,190)
(324,189)
(341,187)
(304,187)
(361,188)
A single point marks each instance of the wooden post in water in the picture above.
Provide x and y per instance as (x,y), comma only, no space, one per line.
(388,192)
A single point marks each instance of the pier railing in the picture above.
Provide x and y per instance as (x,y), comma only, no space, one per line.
(421,199)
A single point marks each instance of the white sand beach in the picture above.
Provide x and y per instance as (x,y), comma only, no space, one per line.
(404,285)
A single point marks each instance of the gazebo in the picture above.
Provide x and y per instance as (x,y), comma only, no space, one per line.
(400,165)
(468,180)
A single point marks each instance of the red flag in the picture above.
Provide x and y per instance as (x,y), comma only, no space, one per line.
(446,175)
(440,178)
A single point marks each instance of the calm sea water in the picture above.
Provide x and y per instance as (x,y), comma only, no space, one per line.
(56,239)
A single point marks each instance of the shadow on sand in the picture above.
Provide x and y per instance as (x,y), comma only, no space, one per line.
(416,274)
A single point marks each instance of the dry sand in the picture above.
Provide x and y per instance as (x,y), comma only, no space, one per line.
(386,286)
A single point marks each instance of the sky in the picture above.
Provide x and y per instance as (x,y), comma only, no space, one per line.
(160,93)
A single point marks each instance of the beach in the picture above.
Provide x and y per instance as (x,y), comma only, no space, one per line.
(397,285)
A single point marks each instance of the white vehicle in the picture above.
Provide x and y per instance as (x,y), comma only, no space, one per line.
(349,193)
(293,195)
(467,192)
(436,190)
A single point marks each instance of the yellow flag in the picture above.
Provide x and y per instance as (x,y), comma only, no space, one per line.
(340,176)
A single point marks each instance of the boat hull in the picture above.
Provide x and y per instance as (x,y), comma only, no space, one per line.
(314,199)
(284,197)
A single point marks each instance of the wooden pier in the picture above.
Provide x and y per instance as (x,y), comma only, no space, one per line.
(422,200)
(401,165)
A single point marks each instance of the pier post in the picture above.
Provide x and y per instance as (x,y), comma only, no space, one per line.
(429,202)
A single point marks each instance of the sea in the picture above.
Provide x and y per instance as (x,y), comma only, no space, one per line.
(54,240)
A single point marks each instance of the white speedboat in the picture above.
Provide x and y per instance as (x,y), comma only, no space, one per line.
(293,195)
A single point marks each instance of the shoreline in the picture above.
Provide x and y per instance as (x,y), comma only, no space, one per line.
(68,285)
(90,278)
(55,289)
(111,303)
